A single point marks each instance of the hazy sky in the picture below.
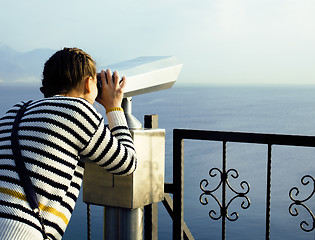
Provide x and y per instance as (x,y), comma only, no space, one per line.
(218,41)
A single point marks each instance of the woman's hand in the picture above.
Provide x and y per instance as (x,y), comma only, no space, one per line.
(112,90)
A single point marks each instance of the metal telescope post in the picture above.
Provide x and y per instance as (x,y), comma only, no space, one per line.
(124,223)
(133,123)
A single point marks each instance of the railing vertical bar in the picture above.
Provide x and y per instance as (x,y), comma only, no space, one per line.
(268,198)
(151,221)
(223,210)
(88,213)
(178,180)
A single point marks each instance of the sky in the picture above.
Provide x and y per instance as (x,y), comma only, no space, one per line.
(229,42)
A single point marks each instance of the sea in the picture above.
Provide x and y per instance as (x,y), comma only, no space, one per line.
(256,109)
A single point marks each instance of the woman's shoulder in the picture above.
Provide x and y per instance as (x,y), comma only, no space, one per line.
(68,105)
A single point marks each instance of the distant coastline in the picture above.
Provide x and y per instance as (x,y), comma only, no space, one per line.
(17,67)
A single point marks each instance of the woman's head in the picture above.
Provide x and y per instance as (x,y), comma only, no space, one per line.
(65,70)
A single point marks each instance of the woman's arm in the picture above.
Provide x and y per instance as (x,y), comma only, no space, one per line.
(112,149)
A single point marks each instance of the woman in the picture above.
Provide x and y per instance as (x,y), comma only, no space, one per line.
(55,134)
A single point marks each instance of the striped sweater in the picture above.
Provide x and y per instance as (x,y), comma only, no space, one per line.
(55,135)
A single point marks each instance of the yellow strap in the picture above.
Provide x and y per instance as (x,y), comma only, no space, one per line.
(41,206)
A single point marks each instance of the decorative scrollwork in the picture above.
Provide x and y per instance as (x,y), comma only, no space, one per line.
(294,192)
(223,183)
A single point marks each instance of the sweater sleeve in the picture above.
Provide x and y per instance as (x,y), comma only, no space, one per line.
(112,149)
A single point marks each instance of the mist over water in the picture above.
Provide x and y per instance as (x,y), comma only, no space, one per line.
(281,110)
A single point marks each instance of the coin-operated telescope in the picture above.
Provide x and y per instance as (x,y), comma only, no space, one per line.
(125,196)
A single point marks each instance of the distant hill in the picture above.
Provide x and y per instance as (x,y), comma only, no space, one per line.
(22,67)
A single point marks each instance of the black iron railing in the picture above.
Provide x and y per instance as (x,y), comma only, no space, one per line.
(176,207)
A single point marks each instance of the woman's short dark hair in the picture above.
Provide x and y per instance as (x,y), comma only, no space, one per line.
(65,69)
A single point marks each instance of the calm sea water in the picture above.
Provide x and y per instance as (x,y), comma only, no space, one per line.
(283,110)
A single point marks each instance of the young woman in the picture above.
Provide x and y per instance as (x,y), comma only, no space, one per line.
(55,135)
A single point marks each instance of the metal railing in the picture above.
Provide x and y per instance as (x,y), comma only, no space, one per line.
(176,208)
(175,205)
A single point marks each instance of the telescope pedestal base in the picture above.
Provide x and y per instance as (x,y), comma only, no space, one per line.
(123,223)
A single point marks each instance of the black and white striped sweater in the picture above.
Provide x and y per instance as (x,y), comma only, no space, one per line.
(55,134)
